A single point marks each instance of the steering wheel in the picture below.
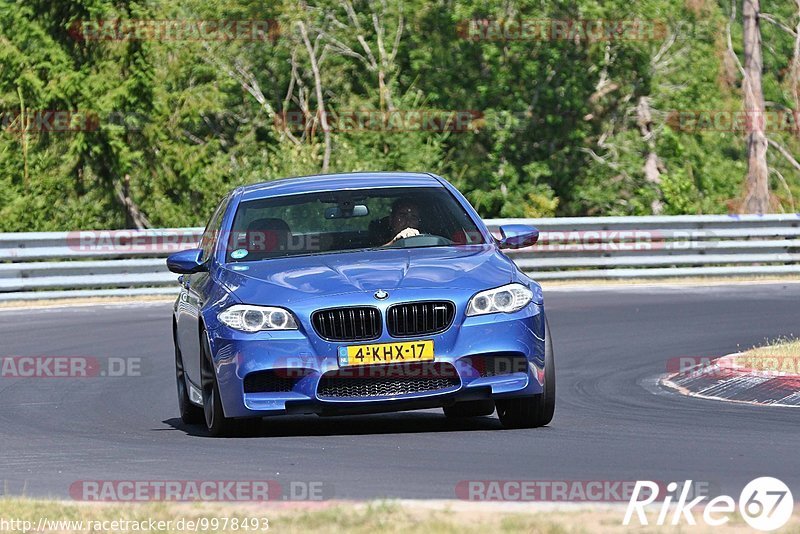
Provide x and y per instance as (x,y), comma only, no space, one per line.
(421,240)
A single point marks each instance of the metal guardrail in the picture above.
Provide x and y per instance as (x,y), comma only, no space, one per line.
(129,262)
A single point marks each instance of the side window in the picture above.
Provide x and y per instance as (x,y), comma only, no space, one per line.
(212,231)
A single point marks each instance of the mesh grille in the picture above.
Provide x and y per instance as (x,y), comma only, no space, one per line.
(273,381)
(388,381)
(498,364)
(347,324)
(420,318)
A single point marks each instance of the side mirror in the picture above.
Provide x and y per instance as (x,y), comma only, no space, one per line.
(186,261)
(518,236)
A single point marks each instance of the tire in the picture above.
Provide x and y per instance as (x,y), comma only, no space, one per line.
(536,411)
(190,414)
(476,408)
(213,413)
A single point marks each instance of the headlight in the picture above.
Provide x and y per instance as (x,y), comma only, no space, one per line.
(254,318)
(505,299)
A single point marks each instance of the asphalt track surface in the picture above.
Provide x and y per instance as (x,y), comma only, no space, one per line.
(611,422)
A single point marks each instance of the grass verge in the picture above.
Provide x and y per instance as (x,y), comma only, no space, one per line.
(781,356)
(781,348)
(428,517)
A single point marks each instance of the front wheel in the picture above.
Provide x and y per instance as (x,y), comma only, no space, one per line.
(531,412)
(190,414)
(216,422)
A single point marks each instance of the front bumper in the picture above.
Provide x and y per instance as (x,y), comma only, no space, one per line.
(308,359)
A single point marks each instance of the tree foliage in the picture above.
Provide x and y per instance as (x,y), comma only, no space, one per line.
(561,126)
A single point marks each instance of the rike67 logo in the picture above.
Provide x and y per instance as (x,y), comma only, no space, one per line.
(765,504)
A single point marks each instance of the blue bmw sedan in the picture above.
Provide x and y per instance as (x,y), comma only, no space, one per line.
(357,293)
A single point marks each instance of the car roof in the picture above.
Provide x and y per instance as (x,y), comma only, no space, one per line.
(334,182)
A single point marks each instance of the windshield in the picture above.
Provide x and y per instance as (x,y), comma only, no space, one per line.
(338,221)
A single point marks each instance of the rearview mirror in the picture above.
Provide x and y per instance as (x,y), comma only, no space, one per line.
(186,261)
(518,236)
(345,212)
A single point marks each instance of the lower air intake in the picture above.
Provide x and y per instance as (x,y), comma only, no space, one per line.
(273,380)
(388,380)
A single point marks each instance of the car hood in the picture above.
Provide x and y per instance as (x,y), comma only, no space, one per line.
(284,280)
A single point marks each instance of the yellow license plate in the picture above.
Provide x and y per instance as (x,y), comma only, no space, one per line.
(407,351)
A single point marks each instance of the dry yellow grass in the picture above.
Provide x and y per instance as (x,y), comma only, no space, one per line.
(779,356)
(423,517)
(781,348)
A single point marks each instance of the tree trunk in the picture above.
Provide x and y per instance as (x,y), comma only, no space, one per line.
(133,215)
(757,198)
(794,75)
(326,131)
(652,164)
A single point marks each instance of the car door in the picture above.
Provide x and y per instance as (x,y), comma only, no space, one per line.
(194,288)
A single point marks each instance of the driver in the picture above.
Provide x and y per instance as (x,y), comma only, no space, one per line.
(404,220)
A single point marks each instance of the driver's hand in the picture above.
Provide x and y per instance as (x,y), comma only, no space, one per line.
(408,232)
